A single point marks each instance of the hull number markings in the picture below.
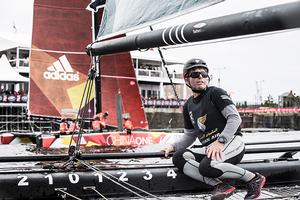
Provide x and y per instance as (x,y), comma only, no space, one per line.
(74,178)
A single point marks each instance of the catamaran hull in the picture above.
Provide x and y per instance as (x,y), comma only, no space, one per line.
(161,180)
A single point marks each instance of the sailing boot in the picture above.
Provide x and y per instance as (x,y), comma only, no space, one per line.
(254,186)
(222,191)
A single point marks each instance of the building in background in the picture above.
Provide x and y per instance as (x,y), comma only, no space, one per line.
(289,100)
(152,76)
(14,86)
(18,58)
(153,79)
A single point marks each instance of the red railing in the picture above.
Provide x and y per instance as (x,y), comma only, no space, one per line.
(268,110)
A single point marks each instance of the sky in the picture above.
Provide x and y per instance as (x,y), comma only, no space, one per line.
(18,14)
(249,69)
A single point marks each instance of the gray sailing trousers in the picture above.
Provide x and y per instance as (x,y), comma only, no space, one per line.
(195,163)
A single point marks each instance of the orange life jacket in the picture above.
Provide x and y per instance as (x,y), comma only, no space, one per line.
(128,124)
(73,127)
(63,127)
(96,124)
(102,120)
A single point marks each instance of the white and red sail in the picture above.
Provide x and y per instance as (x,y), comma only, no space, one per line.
(58,62)
(59,65)
(118,77)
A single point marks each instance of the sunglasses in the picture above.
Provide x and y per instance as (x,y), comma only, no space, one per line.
(203,74)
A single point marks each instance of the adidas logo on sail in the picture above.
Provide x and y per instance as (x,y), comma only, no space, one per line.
(61,70)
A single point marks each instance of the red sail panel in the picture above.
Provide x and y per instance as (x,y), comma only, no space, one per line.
(58,62)
(118,77)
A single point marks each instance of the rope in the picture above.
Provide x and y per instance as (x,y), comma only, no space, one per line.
(66,193)
(111,177)
(82,112)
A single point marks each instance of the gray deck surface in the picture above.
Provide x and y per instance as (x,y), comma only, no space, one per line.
(283,193)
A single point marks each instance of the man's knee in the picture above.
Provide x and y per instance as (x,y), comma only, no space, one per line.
(207,170)
(179,158)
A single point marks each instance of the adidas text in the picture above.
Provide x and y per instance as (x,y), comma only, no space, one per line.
(61,76)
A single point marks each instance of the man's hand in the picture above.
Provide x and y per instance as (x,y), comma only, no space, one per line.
(168,150)
(214,151)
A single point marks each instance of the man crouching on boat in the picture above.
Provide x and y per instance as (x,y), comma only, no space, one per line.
(211,116)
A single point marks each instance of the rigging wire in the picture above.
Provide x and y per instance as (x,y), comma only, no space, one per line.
(169,76)
(82,112)
(168,73)
(78,111)
(116,181)
(110,177)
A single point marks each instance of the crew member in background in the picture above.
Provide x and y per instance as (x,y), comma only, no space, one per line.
(74,126)
(96,125)
(211,116)
(127,124)
(102,120)
(63,126)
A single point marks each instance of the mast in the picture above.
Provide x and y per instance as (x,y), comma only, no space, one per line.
(97,81)
(275,18)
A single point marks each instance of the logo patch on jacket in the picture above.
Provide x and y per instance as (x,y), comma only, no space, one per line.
(201,121)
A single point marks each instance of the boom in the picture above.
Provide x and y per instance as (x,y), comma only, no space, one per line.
(275,18)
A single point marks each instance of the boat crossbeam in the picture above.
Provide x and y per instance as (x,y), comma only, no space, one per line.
(61,157)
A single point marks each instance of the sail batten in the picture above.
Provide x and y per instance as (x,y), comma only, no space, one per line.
(57,51)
